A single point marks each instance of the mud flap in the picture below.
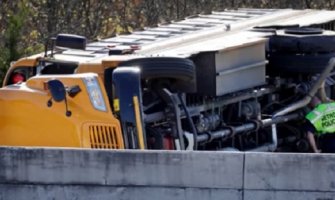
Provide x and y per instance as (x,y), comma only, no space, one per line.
(127,85)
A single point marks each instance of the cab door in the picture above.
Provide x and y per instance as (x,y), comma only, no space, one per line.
(20,71)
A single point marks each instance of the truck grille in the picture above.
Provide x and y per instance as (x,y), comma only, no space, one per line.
(104,137)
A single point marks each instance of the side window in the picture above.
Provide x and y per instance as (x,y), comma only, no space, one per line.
(20,74)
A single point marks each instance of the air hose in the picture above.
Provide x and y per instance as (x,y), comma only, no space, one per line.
(190,121)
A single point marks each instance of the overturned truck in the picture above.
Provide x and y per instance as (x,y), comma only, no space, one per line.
(234,80)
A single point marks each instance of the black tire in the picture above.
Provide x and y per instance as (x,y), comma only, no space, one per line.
(299,63)
(164,67)
(302,40)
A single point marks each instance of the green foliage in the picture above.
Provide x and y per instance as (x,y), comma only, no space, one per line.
(10,51)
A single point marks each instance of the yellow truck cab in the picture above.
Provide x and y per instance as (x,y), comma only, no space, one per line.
(30,116)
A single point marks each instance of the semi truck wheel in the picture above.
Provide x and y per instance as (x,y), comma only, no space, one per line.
(300,50)
(302,40)
(299,63)
(164,67)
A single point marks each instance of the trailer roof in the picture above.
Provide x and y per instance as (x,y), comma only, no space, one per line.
(213,32)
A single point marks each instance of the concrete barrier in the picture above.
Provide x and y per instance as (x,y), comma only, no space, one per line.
(289,176)
(38,173)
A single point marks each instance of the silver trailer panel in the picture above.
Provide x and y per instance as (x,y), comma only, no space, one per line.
(238,64)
